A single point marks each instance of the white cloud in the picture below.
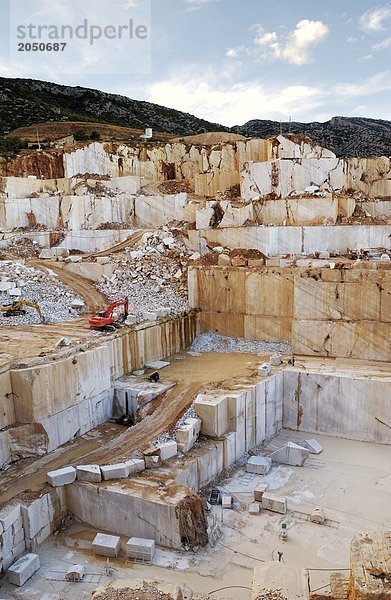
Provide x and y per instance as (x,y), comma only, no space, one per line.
(376,19)
(382,45)
(193,5)
(366,87)
(233,52)
(236,104)
(302,40)
(295,47)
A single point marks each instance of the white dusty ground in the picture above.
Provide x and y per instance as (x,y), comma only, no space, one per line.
(350,480)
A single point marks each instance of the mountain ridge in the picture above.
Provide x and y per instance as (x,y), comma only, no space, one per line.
(25,102)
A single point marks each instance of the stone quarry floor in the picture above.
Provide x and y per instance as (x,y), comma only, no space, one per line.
(107,442)
(350,480)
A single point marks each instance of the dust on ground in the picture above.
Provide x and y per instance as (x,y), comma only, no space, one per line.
(337,480)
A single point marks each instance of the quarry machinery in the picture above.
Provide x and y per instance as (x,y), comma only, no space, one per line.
(17,308)
(106,319)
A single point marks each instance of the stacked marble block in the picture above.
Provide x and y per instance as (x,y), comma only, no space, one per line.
(187,434)
(242,419)
(26,524)
(137,548)
(95,473)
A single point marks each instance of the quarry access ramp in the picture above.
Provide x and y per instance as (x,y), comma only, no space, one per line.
(130,241)
(93,298)
(167,410)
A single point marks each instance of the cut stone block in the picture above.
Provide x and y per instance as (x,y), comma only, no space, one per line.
(18,538)
(290,454)
(117,471)
(213,412)
(23,569)
(90,473)
(274,503)
(140,548)
(168,450)
(254,508)
(103,260)
(259,491)
(184,434)
(194,422)
(317,516)
(60,477)
(226,501)
(75,573)
(184,448)
(9,515)
(135,465)
(36,515)
(106,545)
(15,292)
(312,445)
(275,360)
(259,464)
(18,549)
(264,370)
(157,364)
(33,543)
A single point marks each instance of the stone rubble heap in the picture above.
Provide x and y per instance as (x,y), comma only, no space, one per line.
(154,276)
(21,282)
(213,342)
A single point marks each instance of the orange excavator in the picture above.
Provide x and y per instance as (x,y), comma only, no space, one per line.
(107,320)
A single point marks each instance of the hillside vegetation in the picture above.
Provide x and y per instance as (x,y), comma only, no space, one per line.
(26,102)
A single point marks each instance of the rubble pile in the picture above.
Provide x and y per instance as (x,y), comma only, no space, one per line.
(21,248)
(213,342)
(21,282)
(267,594)
(154,276)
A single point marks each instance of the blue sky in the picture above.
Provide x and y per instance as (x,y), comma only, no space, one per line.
(230,61)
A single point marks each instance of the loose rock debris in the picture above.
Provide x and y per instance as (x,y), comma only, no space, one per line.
(153,276)
(213,342)
(21,282)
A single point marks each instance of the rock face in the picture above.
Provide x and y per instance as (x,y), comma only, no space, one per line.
(333,312)
(370,561)
(345,136)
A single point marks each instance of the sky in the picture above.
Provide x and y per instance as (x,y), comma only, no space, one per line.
(227,61)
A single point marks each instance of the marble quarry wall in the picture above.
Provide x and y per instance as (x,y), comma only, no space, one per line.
(208,169)
(338,404)
(342,313)
(243,302)
(47,405)
(283,177)
(27,521)
(280,240)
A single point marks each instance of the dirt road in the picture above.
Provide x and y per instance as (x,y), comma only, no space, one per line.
(130,241)
(169,409)
(28,341)
(94,300)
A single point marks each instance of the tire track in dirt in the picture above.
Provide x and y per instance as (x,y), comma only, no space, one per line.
(171,407)
(130,241)
(93,298)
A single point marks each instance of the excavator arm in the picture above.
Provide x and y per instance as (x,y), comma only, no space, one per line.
(17,308)
(105,320)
